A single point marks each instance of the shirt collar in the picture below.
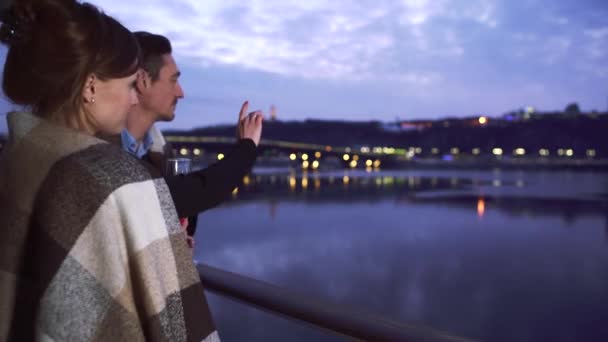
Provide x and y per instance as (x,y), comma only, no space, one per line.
(130,144)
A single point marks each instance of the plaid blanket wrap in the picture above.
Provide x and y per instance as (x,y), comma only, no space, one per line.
(90,244)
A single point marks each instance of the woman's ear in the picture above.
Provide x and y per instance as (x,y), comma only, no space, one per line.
(88,90)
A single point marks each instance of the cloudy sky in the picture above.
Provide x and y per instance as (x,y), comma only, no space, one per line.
(379,59)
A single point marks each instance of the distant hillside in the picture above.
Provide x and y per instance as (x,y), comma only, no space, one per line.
(311,131)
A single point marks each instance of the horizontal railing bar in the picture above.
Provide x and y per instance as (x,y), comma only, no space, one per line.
(323,314)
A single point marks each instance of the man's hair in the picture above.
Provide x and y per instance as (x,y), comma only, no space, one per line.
(153,47)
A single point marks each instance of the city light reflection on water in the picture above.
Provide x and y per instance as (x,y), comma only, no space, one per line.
(481,207)
(492,255)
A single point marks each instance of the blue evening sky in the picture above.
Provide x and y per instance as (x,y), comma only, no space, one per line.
(377,59)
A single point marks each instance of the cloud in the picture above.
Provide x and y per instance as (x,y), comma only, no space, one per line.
(559,20)
(311,40)
(597,33)
(556,48)
(367,58)
(393,52)
(525,37)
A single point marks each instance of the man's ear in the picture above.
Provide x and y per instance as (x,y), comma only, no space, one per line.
(88,90)
(143,81)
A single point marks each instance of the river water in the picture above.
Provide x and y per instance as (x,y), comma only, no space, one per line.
(491,255)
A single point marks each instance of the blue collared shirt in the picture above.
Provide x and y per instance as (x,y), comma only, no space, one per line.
(131,145)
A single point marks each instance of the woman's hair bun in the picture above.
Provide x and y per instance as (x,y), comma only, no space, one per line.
(17,22)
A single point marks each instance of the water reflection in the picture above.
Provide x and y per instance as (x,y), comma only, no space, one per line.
(514,197)
(415,249)
(481,207)
(361,185)
(606,227)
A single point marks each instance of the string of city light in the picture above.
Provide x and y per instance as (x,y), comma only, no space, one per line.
(368,151)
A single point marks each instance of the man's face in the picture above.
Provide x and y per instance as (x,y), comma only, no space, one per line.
(161,96)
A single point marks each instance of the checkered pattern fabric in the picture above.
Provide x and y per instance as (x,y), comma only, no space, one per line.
(90,244)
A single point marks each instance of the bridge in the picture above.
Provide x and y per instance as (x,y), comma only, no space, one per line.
(311,156)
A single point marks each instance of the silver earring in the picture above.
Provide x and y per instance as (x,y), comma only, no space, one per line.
(92,99)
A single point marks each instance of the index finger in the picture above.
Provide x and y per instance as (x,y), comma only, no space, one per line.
(243,112)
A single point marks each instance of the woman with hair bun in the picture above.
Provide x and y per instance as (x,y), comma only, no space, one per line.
(90,244)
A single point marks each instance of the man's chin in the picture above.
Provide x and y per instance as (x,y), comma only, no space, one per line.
(167,117)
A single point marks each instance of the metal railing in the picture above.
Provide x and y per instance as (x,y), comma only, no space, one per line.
(329,316)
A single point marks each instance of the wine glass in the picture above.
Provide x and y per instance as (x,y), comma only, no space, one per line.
(178,166)
(181,166)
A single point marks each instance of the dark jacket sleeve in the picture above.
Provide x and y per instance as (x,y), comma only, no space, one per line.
(205,189)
